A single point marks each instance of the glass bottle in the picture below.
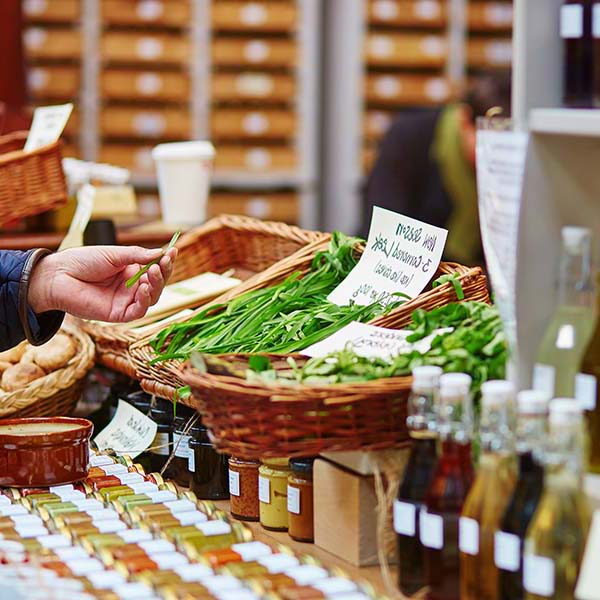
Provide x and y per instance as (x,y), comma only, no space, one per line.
(179,466)
(421,424)
(556,538)
(300,500)
(210,480)
(489,494)
(508,548)
(578,53)
(451,480)
(566,338)
(160,449)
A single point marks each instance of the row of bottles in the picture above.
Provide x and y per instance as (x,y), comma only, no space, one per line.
(515,530)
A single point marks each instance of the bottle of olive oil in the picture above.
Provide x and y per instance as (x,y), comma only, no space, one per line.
(561,352)
(489,495)
(556,538)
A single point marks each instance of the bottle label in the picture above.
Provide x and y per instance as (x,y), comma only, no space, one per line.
(191,460)
(596,21)
(585,391)
(278,563)
(134,536)
(114,469)
(234,483)
(468,536)
(293,500)
(543,379)
(160,444)
(181,445)
(405,518)
(538,575)
(180,506)
(110,526)
(571,21)
(214,528)
(507,551)
(252,551)
(192,518)
(264,490)
(432,530)
(155,546)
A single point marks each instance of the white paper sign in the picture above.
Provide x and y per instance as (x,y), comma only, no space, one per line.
(47,125)
(86,197)
(588,584)
(401,255)
(371,341)
(130,432)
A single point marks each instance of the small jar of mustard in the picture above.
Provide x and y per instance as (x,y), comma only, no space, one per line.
(272,493)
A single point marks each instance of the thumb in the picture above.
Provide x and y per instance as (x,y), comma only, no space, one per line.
(121,256)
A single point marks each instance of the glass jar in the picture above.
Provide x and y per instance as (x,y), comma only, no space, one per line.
(243,489)
(143,402)
(272,493)
(160,449)
(210,479)
(300,500)
(179,467)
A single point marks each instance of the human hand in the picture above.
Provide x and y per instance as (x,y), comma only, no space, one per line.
(90,282)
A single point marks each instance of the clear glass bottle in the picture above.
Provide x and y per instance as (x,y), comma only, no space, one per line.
(160,449)
(421,423)
(179,467)
(450,484)
(489,494)
(561,352)
(532,430)
(556,538)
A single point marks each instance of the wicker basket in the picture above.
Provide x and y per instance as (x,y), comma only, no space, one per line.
(30,182)
(228,242)
(56,394)
(165,378)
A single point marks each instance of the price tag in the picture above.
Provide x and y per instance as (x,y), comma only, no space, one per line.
(401,256)
(405,518)
(278,563)
(191,518)
(101,460)
(191,460)
(214,528)
(264,490)
(252,551)
(47,125)
(293,500)
(181,445)
(134,536)
(588,584)
(543,379)
(571,21)
(431,528)
(234,483)
(585,391)
(507,551)
(538,575)
(468,536)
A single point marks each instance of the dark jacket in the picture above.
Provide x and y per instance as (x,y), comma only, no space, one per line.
(17,320)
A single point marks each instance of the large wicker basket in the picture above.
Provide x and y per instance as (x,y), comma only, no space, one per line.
(56,394)
(30,182)
(165,378)
(246,245)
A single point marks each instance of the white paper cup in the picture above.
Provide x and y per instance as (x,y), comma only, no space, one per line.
(183,170)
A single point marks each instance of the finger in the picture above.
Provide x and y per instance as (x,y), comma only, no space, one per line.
(122,256)
(166,266)
(140,305)
(156,283)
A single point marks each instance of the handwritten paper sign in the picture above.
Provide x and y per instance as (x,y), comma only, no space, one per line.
(86,197)
(588,584)
(47,125)
(372,342)
(401,255)
(130,432)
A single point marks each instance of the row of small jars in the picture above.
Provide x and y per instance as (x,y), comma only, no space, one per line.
(278,492)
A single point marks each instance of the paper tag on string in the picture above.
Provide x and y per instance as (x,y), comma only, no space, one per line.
(86,197)
(401,256)
(47,125)
(130,431)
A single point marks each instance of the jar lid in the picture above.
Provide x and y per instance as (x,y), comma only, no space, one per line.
(302,464)
(275,462)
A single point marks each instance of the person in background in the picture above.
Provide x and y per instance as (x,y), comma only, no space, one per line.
(425,167)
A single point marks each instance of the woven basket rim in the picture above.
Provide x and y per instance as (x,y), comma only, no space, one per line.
(22,135)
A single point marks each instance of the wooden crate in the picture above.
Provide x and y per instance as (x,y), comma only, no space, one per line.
(159,123)
(401,90)
(261,124)
(408,13)
(159,86)
(155,48)
(135,157)
(263,52)
(51,11)
(52,44)
(164,13)
(406,50)
(253,16)
(256,159)
(376,123)
(270,206)
(490,16)
(489,53)
(248,86)
(53,82)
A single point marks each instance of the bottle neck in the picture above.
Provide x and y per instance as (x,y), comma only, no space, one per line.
(565,453)
(532,433)
(576,285)
(495,428)
(421,420)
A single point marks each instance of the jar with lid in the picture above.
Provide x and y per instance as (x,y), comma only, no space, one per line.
(181,437)
(160,449)
(300,500)
(243,489)
(210,478)
(272,493)
(143,402)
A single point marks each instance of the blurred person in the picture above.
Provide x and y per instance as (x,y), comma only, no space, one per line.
(425,168)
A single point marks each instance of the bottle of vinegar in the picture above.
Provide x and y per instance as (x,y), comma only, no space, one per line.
(532,430)
(489,494)
(422,428)
(450,483)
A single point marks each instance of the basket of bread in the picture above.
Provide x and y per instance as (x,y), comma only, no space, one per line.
(47,380)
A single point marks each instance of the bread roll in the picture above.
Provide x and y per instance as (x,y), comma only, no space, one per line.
(4,365)
(56,353)
(13,355)
(18,376)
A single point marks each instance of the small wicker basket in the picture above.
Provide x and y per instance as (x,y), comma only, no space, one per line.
(30,182)
(56,394)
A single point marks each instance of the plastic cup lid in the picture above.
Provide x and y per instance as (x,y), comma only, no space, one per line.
(183,150)
(532,402)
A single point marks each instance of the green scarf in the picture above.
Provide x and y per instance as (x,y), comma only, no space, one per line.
(458,176)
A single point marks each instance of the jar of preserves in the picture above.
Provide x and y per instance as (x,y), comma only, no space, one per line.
(181,450)
(243,489)
(210,479)
(160,449)
(300,500)
(272,493)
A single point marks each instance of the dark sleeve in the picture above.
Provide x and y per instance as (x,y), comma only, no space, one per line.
(17,320)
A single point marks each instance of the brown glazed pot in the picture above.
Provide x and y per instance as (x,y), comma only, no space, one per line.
(43,459)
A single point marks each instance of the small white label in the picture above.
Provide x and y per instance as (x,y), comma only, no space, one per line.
(234,483)
(405,518)
(252,551)
(110,526)
(256,51)
(169,561)
(293,500)
(507,551)
(307,574)
(433,45)
(135,536)
(113,469)
(543,379)
(468,536)
(253,14)
(34,38)
(437,89)
(27,520)
(179,506)
(34,531)
(161,496)
(150,10)
(499,15)
(4,500)
(101,460)
(499,53)
(13,510)
(264,490)
(83,566)
(147,123)
(106,580)
(381,46)
(87,504)
(338,585)
(427,9)
(148,84)
(149,48)
(194,572)
(191,518)
(127,478)
(104,514)
(254,84)
(596,21)
(255,123)
(538,575)
(183,449)
(431,529)
(54,541)
(571,21)
(585,391)
(59,489)
(35,7)
(160,444)
(47,125)
(278,563)
(143,488)
(258,159)
(191,460)
(214,528)
(386,10)
(38,78)
(70,553)
(387,86)
(155,546)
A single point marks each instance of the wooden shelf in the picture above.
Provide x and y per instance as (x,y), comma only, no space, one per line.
(565,121)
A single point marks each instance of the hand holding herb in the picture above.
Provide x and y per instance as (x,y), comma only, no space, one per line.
(133,280)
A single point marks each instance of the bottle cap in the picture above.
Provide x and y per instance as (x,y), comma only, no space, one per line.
(497,391)
(455,383)
(564,410)
(532,402)
(575,238)
(427,376)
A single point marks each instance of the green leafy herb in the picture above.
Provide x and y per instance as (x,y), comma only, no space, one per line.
(454,280)
(259,363)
